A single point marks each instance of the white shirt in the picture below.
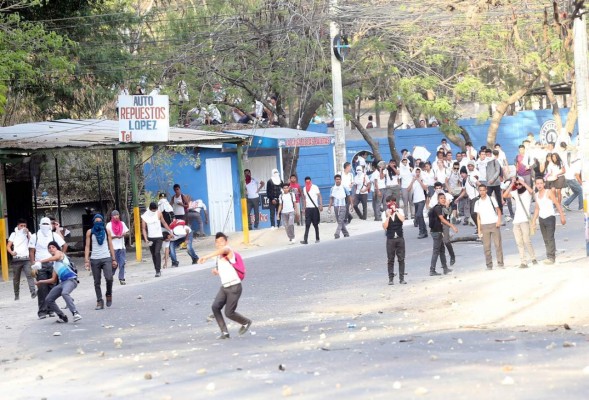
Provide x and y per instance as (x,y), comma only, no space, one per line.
(197,205)
(481,165)
(152,222)
(434,200)
(178,208)
(391,181)
(471,184)
(227,272)
(361,182)
(418,194)
(339,194)
(313,193)
(39,242)
(376,177)
(252,189)
(428,177)
(117,244)
(406,176)
(573,169)
(520,212)
(348,180)
(20,240)
(471,154)
(288,201)
(486,208)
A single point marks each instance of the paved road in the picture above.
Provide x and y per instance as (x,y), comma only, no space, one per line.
(488,334)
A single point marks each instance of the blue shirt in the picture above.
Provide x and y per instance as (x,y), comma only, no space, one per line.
(62,269)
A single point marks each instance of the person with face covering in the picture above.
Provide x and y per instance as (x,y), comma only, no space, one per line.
(18,248)
(273,191)
(101,259)
(38,251)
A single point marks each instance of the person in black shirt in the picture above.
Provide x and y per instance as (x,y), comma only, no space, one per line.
(393,225)
(437,220)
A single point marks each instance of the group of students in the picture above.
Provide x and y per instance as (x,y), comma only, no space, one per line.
(51,274)
(477,188)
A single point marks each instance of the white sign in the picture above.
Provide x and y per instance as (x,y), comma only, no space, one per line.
(144,118)
(420,152)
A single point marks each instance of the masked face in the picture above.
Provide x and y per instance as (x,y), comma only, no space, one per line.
(45,228)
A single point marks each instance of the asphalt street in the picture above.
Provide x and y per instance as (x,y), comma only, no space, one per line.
(326,325)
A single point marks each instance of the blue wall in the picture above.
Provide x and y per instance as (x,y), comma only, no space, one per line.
(193,181)
(317,162)
(512,131)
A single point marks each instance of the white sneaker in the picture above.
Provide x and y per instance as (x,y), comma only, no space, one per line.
(273,228)
(508,219)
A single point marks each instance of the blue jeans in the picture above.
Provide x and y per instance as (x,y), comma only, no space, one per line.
(577,193)
(175,243)
(120,256)
(63,289)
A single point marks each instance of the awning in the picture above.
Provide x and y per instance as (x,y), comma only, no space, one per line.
(272,138)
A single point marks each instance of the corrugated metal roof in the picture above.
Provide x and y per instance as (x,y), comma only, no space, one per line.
(93,133)
(277,133)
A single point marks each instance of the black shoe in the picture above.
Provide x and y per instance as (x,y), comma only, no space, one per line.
(434,273)
(422,236)
(447,271)
(109,301)
(16,297)
(346,235)
(99,305)
(452,260)
(336,236)
(175,264)
(122,282)
(195,260)
(33,295)
(391,281)
(245,328)
(158,274)
(415,223)
(224,335)
(304,242)
(42,316)
(62,319)
(402,282)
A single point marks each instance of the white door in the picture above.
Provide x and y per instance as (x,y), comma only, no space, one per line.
(220,189)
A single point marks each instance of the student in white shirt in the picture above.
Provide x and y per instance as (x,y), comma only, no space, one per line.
(489,224)
(18,248)
(312,206)
(522,193)
(286,211)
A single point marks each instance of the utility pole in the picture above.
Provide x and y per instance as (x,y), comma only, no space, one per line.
(336,83)
(582,82)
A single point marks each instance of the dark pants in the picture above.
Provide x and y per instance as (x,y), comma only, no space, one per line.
(438,251)
(156,252)
(46,272)
(273,208)
(253,204)
(547,227)
(99,267)
(348,213)
(311,217)
(18,266)
(419,217)
(396,247)
(376,204)
(228,297)
(473,215)
(361,198)
(447,242)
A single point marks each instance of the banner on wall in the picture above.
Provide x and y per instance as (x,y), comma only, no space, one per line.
(144,118)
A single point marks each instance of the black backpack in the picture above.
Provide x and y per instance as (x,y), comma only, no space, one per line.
(168,216)
(431,215)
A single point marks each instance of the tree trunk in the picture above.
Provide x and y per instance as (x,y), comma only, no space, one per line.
(377,112)
(391,136)
(457,140)
(502,107)
(553,102)
(572,116)
(371,142)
